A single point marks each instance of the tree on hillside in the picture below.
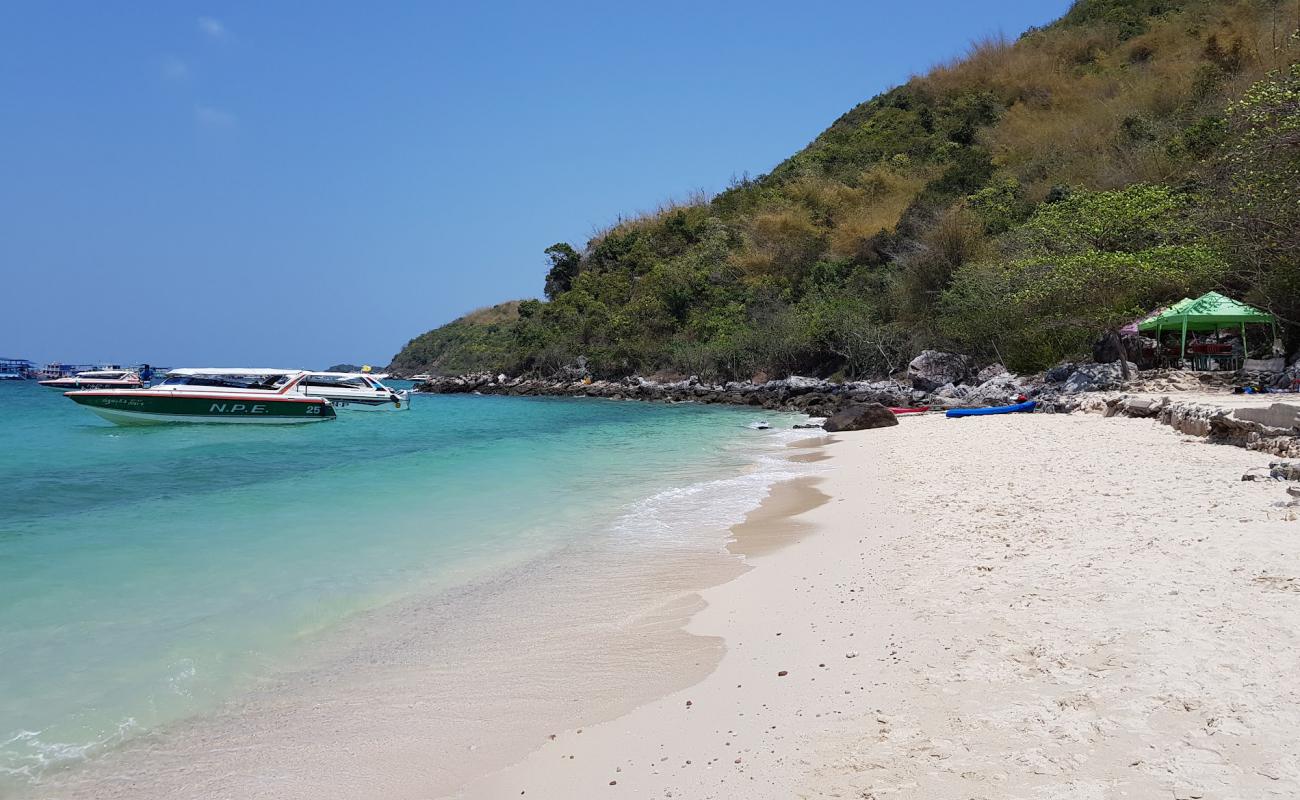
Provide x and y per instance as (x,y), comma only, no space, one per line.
(564,268)
(1259,192)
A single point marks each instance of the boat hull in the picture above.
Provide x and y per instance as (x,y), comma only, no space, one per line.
(346,403)
(80,385)
(144,408)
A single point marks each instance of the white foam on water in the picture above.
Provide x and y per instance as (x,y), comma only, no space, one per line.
(27,757)
(701,513)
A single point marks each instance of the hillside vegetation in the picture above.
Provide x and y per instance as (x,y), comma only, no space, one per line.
(478,340)
(1014,204)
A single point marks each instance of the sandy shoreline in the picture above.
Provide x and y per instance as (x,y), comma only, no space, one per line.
(1039,606)
(1033,606)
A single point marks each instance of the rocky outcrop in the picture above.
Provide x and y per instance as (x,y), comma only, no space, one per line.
(1096,378)
(860,418)
(1273,429)
(1087,387)
(1000,390)
(1059,373)
(1275,471)
(933,369)
(1269,374)
(813,396)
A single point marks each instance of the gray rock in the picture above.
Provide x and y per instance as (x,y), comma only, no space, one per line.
(1059,373)
(859,418)
(798,384)
(887,393)
(932,369)
(988,373)
(1000,390)
(1141,407)
(951,391)
(1097,378)
(1285,470)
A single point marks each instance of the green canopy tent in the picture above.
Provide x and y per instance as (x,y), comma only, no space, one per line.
(1142,324)
(1209,312)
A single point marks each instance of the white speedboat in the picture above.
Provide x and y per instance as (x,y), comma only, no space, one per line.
(224,395)
(97,379)
(355,391)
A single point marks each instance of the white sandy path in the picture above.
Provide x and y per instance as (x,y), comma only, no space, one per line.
(1039,607)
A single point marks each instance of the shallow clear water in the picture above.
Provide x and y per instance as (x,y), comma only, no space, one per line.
(150,574)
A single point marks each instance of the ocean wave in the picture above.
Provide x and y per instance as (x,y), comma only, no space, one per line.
(701,513)
(25,757)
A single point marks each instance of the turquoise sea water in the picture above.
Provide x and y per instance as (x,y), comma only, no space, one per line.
(149,574)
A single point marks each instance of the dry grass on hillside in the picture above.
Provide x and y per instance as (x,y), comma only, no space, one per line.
(493,315)
(1084,108)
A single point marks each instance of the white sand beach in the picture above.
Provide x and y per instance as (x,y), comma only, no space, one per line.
(1019,607)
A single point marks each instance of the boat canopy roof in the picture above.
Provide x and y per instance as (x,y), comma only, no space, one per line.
(371,375)
(233,371)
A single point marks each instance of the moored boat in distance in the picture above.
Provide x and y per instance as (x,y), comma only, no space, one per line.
(16,369)
(219,395)
(96,379)
(355,391)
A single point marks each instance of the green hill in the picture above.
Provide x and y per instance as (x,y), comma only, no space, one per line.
(478,340)
(1014,204)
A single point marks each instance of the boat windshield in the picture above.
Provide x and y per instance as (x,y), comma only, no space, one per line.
(339,381)
(254,382)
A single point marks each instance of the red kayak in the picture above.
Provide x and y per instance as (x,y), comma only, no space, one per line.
(917,410)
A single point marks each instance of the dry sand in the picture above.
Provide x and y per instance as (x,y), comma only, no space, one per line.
(1015,607)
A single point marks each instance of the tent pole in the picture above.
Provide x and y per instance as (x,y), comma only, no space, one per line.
(1182,356)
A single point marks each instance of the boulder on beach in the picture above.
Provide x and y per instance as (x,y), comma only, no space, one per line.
(933,369)
(951,394)
(1000,390)
(1097,377)
(887,393)
(861,418)
(1060,373)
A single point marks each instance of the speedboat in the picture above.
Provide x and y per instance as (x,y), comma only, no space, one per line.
(355,391)
(97,379)
(224,395)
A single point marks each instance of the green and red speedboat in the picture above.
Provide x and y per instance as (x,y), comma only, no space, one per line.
(224,395)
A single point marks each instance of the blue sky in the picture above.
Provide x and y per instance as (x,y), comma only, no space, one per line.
(252,183)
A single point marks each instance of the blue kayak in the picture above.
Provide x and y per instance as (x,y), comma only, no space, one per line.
(984,412)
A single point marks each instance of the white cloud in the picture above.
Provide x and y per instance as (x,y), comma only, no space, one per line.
(213,117)
(212,27)
(175,70)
